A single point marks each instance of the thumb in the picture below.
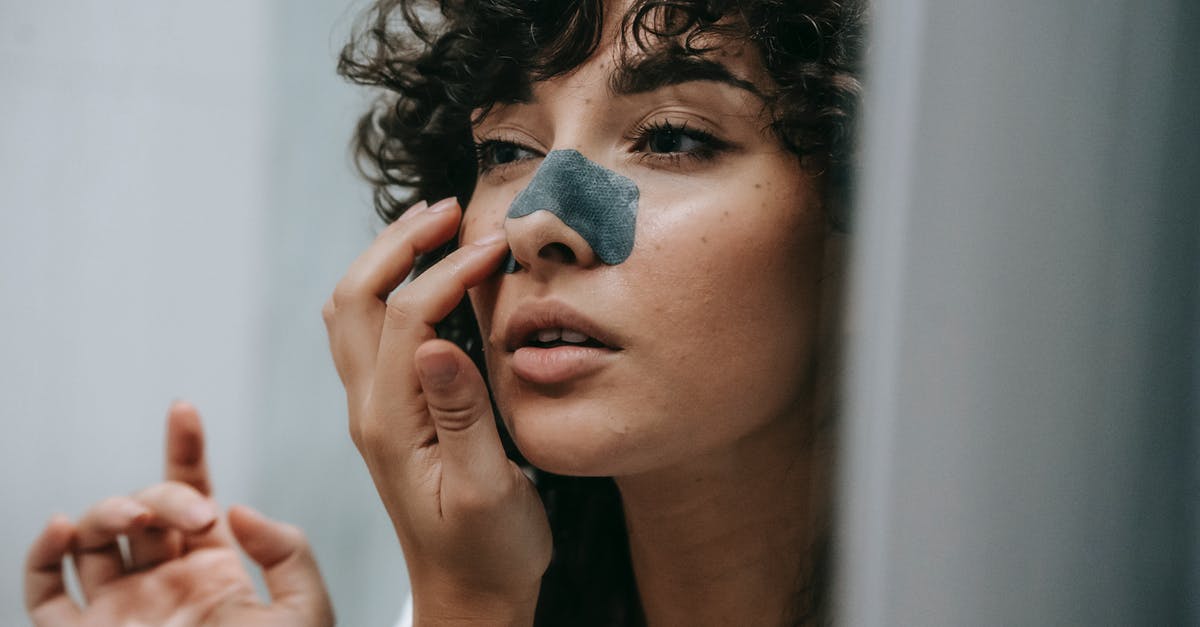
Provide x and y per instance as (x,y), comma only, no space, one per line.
(289,569)
(468,442)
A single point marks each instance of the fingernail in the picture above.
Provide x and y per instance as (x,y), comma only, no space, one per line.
(491,238)
(444,204)
(437,369)
(199,515)
(418,208)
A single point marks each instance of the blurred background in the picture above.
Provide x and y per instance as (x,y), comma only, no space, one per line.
(1022,427)
(1022,419)
(176,203)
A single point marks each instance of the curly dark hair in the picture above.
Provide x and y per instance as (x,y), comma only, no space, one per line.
(438,62)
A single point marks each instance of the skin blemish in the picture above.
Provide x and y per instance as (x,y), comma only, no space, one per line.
(592,200)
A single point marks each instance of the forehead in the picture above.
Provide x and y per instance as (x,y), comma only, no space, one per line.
(632,58)
(617,69)
(640,60)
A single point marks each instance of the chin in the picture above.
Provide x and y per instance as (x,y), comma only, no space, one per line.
(571,438)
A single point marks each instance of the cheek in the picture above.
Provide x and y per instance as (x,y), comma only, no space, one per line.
(732,280)
(485,213)
(754,235)
(475,225)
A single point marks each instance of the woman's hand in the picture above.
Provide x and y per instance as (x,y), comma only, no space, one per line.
(183,565)
(473,529)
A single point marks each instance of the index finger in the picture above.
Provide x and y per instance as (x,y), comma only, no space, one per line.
(411,315)
(185,461)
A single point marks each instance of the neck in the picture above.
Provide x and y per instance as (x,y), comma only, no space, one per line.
(728,538)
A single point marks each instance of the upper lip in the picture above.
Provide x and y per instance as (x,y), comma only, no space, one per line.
(531,317)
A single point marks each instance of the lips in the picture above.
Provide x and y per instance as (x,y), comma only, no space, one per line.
(552,343)
(551,324)
(554,337)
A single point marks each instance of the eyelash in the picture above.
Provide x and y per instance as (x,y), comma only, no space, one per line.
(485,152)
(709,147)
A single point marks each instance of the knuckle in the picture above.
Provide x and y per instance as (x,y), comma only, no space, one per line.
(359,414)
(355,435)
(370,434)
(329,311)
(356,428)
(399,310)
(405,248)
(456,417)
(345,293)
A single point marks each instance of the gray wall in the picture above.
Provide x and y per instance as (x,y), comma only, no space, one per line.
(176,202)
(1021,436)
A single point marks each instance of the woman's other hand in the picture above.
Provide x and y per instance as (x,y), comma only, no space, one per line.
(183,567)
(473,529)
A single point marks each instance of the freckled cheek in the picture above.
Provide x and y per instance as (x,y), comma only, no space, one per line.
(738,224)
(476,224)
(678,276)
(735,251)
(485,213)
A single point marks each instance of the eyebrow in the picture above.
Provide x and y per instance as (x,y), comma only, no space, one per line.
(662,70)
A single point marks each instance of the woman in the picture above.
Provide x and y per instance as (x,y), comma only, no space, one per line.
(647,195)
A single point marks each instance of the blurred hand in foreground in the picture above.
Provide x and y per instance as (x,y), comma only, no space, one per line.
(183,567)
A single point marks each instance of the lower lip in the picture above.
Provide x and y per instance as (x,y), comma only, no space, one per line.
(559,364)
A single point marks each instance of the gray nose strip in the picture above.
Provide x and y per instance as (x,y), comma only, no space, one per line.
(595,202)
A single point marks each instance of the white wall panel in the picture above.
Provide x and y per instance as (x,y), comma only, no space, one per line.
(132,161)
(176,202)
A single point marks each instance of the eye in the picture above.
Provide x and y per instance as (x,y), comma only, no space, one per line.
(670,139)
(494,153)
(667,143)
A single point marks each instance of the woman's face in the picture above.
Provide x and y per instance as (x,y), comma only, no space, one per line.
(704,334)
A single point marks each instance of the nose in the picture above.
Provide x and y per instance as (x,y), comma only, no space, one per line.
(541,240)
(573,211)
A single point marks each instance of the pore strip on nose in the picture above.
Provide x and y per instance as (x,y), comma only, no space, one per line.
(592,200)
